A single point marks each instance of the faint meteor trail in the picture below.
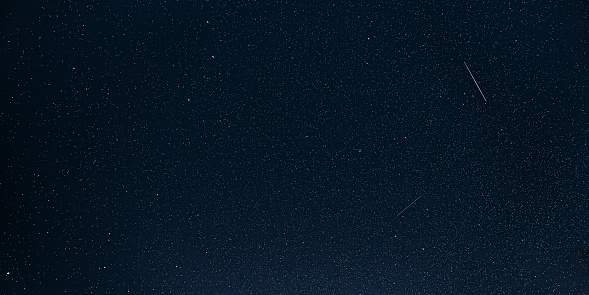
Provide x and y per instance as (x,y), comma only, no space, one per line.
(475,82)
(409,206)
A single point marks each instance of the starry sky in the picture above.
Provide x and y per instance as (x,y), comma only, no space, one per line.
(284,147)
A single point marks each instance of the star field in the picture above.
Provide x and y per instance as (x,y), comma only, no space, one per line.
(246,147)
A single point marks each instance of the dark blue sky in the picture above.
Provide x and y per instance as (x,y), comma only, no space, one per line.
(243,147)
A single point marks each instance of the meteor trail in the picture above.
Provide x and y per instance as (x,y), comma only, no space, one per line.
(475,82)
(409,206)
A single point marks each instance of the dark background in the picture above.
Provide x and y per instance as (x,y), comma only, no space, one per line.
(267,147)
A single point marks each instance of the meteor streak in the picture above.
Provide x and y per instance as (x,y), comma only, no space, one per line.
(409,206)
(475,82)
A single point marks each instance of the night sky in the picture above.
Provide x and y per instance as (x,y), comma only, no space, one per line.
(283,147)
